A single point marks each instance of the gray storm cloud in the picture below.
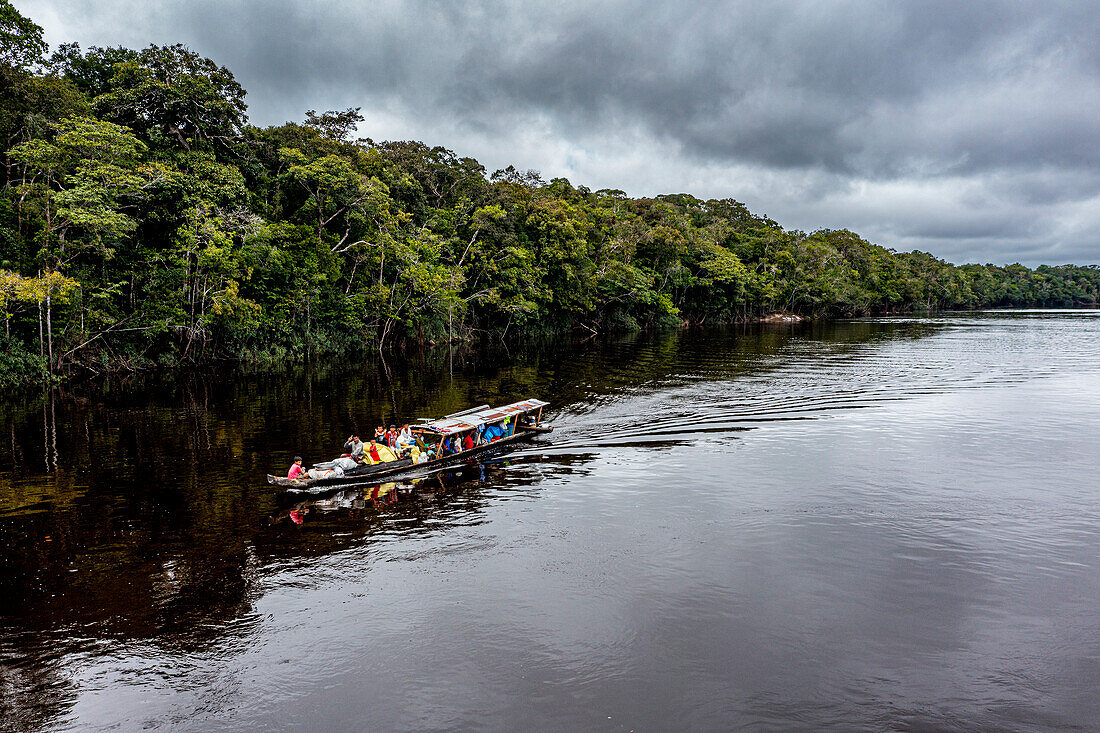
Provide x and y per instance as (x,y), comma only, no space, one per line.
(971,130)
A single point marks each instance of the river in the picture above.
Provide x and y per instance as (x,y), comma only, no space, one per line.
(883,524)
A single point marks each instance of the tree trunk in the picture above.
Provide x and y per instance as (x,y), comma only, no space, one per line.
(49,330)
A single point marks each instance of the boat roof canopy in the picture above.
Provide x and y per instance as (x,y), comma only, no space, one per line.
(470,421)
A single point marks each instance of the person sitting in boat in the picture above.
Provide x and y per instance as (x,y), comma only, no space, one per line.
(405,436)
(447,447)
(354,448)
(468,441)
(296,470)
(379,453)
(387,454)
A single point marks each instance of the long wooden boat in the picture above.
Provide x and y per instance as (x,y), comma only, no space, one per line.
(431,432)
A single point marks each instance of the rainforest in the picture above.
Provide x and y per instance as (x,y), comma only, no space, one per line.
(145,223)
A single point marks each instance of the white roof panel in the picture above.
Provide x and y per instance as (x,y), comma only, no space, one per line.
(494,414)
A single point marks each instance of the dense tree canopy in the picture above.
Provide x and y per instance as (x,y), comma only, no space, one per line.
(143,221)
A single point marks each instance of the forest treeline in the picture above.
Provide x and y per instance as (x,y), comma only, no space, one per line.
(144,221)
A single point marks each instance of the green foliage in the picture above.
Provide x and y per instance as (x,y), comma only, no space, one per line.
(93,71)
(18,364)
(172,97)
(81,182)
(21,42)
(143,222)
(51,285)
(335,126)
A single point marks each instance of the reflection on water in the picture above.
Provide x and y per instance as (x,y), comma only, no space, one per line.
(868,524)
(411,499)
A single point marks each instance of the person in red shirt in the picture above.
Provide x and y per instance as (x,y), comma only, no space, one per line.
(468,441)
(296,470)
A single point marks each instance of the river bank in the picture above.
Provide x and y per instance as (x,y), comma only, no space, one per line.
(30,373)
(30,369)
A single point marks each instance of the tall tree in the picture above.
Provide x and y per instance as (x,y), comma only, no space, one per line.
(21,40)
(81,181)
(175,98)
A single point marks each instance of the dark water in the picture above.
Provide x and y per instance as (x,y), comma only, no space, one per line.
(861,526)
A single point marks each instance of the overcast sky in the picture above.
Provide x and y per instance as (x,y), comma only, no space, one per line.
(967,129)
